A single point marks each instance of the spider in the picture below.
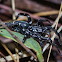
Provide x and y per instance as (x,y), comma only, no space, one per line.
(37,32)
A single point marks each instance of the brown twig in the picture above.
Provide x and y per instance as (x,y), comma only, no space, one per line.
(27,49)
(8,51)
(4,57)
(54,33)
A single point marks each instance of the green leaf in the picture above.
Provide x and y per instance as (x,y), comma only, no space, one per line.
(30,42)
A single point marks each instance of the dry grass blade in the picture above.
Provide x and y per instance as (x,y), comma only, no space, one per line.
(54,33)
(13,9)
(8,51)
(46,13)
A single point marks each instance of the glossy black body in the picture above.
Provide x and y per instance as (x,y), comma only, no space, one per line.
(37,32)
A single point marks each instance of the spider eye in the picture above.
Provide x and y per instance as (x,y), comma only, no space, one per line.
(19,24)
(23,29)
(24,24)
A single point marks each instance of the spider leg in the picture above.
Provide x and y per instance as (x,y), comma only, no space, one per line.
(27,34)
(40,21)
(11,24)
(40,39)
(24,39)
(48,28)
(57,49)
(41,44)
(24,14)
(52,43)
(59,43)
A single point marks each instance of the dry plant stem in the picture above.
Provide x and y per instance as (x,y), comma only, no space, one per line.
(56,20)
(1,54)
(13,9)
(8,51)
(27,49)
(54,33)
(46,13)
(47,45)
